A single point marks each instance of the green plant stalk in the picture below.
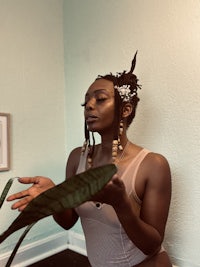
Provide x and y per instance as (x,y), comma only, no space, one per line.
(5,190)
(11,258)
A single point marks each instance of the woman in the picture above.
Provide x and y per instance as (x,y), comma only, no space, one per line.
(124,224)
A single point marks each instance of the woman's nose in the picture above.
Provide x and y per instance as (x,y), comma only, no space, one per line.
(90,104)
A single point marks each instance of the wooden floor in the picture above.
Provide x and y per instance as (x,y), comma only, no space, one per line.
(66,258)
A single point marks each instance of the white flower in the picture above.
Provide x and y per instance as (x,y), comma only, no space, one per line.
(125,92)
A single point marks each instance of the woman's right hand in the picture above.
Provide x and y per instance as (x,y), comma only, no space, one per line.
(39,185)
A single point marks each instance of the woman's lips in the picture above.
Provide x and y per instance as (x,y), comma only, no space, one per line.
(91,118)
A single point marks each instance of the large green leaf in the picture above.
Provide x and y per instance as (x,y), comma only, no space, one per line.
(68,194)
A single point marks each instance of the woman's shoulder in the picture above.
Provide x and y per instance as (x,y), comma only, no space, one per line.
(73,161)
(75,152)
(74,155)
(156,166)
(152,162)
(151,157)
(155,159)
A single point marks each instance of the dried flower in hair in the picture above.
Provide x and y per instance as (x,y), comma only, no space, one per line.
(125,92)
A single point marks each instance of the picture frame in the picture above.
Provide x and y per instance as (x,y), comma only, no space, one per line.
(4,142)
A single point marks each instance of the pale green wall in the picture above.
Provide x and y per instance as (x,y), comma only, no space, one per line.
(32,91)
(102,36)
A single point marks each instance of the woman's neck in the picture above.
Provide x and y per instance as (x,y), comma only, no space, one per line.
(103,151)
(107,142)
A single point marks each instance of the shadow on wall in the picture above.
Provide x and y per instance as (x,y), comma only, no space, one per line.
(176,217)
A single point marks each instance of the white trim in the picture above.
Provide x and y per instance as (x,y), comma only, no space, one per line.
(77,243)
(38,250)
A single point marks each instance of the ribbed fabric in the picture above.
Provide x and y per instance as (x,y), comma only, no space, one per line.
(106,241)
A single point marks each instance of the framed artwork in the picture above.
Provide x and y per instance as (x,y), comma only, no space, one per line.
(4,142)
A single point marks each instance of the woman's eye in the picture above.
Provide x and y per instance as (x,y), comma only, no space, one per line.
(98,100)
(101,99)
(84,104)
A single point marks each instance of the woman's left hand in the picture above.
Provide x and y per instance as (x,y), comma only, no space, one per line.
(113,192)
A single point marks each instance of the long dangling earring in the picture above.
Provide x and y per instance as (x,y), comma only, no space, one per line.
(121,129)
(117,143)
(89,158)
(114,150)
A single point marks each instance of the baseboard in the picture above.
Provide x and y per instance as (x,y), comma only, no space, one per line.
(76,242)
(47,247)
(38,250)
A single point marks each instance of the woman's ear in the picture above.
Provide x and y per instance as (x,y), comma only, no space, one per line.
(127,110)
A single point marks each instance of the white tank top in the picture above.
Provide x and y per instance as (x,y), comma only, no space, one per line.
(106,241)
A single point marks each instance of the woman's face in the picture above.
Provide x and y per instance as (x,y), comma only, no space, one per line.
(99,106)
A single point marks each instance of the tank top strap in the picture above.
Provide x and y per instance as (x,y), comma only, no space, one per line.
(130,174)
(82,162)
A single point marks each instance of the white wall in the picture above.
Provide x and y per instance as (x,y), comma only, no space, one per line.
(32,91)
(102,36)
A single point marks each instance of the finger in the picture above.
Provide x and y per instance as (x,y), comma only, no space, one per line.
(115,176)
(22,207)
(21,203)
(18,195)
(29,180)
(114,179)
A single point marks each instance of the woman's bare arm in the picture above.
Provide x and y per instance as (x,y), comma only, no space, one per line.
(69,217)
(147,231)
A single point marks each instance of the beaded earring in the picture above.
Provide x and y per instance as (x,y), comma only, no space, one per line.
(116,144)
(121,129)
(89,158)
(114,150)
